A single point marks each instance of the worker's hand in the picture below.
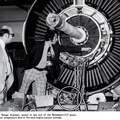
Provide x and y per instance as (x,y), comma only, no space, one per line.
(87,49)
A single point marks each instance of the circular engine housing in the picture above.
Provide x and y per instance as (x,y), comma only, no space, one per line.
(99,23)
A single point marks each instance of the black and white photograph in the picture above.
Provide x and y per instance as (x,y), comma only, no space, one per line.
(59,58)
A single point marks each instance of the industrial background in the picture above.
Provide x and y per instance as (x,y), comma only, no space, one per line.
(98,20)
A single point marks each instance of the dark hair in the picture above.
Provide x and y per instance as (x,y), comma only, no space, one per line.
(3,31)
(49,34)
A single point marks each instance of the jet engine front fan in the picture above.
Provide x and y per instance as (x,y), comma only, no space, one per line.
(99,23)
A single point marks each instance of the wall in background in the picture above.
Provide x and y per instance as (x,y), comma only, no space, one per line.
(14,17)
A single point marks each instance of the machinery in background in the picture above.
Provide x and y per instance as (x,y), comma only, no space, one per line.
(97,25)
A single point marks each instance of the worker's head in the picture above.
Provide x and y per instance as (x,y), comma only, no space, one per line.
(6,34)
(51,35)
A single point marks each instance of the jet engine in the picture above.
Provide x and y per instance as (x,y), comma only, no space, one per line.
(98,22)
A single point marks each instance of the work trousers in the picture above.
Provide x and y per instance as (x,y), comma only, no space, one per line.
(33,75)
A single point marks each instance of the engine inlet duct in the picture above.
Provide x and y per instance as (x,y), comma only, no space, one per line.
(84,23)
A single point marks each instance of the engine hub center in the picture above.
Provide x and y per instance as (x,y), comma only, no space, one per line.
(83,39)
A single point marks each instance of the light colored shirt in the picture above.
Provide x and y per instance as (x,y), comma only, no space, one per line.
(8,60)
(43,62)
(6,69)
